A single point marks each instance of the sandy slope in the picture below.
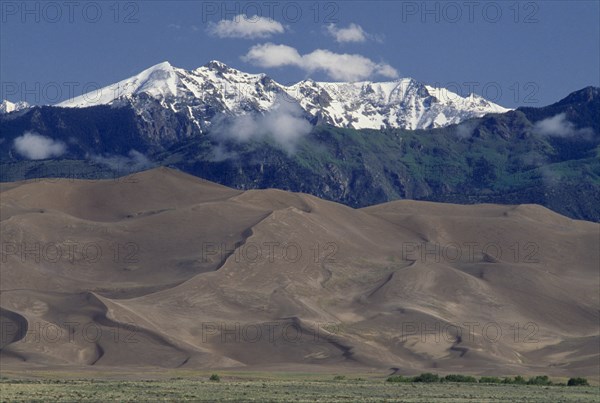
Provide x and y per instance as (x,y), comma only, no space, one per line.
(161,269)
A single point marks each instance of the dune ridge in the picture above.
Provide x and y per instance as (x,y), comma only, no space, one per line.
(162,269)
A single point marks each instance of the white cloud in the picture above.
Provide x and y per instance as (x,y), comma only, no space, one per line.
(271,55)
(135,161)
(246,27)
(559,126)
(339,66)
(352,33)
(284,124)
(466,129)
(550,177)
(386,70)
(34,146)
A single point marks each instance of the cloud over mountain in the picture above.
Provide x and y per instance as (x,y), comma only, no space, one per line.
(559,126)
(284,124)
(34,146)
(338,66)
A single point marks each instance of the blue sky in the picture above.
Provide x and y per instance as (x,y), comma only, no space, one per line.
(530,53)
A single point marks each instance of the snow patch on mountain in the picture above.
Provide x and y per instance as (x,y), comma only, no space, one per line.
(216,89)
(158,81)
(7,107)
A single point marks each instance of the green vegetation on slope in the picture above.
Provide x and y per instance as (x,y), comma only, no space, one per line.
(494,159)
(308,388)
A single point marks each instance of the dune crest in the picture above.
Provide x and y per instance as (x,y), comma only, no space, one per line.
(162,269)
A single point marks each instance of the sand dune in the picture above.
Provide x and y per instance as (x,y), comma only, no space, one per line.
(162,269)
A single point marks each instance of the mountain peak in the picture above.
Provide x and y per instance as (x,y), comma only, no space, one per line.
(162,66)
(583,95)
(216,65)
(218,88)
(6,106)
(158,81)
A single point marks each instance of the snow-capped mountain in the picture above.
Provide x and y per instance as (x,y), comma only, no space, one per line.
(216,89)
(7,107)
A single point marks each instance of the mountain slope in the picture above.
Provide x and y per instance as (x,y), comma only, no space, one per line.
(500,158)
(215,88)
(168,270)
(7,107)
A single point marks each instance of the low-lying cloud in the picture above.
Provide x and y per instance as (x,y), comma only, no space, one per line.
(244,27)
(284,124)
(338,66)
(133,162)
(550,178)
(34,146)
(559,126)
(465,130)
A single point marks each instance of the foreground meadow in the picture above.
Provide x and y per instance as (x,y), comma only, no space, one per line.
(304,388)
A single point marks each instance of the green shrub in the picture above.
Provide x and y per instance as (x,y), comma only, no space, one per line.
(519,380)
(398,378)
(339,378)
(458,378)
(427,377)
(578,382)
(539,380)
(493,379)
(215,378)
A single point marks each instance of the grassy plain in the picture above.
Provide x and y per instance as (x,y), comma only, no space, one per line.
(276,387)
